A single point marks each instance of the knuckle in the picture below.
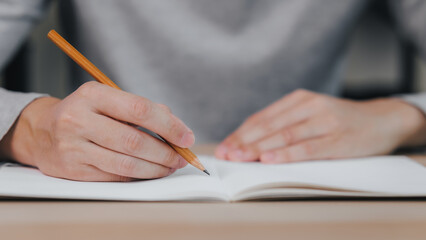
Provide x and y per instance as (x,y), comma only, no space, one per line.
(133,142)
(63,114)
(87,89)
(141,109)
(126,166)
(68,116)
(65,120)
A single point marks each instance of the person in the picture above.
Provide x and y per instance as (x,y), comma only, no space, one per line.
(215,64)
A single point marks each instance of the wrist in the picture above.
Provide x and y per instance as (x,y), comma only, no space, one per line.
(19,143)
(411,123)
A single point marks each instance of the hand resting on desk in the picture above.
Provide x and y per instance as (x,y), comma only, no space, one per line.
(85,136)
(309,126)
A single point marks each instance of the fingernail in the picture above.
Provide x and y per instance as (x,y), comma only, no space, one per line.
(236,155)
(182,162)
(221,151)
(187,140)
(268,157)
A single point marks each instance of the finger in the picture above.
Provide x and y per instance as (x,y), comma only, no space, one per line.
(312,128)
(137,110)
(295,108)
(285,119)
(297,114)
(120,137)
(283,104)
(88,173)
(313,149)
(124,165)
(232,142)
(221,151)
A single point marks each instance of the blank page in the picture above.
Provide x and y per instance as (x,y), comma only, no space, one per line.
(186,184)
(384,175)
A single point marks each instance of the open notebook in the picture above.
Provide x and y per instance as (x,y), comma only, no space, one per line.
(384,176)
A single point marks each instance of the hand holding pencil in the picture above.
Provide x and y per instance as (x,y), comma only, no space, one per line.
(102,78)
(85,136)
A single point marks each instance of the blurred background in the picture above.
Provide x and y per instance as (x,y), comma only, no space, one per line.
(378,63)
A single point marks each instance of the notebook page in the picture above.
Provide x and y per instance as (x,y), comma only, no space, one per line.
(384,175)
(301,193)
(185,184)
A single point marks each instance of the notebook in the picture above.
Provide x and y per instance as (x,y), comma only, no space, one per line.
(384,176)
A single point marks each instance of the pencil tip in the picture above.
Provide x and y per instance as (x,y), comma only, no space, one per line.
(207,172)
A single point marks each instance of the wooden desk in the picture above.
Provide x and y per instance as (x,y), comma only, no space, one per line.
(378,219)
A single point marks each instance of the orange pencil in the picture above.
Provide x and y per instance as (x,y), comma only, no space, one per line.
(102,78)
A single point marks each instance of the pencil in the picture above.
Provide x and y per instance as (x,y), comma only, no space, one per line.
(75,55)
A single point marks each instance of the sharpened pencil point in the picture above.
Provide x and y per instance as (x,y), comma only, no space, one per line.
(207,172)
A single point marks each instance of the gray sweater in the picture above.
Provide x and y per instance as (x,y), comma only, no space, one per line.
(214,62)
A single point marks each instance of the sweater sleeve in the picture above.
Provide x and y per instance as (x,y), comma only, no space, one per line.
(418,100)
(11,105)
(410,16)
(17,17)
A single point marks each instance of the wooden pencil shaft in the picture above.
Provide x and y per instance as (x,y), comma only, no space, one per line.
(81,60)
(188,155)
(97,74)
